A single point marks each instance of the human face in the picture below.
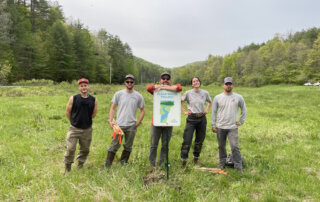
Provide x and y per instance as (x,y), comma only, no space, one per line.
(165,80)
(196,83)
(83,87)
(228,87)
(129,83)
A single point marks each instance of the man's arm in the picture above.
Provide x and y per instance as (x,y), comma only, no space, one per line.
(142,112)
(95,110)
(214,115)
(69,107)
(243,115)
(151,88)
(111,113)
(175,88)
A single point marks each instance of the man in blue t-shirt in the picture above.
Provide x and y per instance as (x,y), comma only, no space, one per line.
(80,110)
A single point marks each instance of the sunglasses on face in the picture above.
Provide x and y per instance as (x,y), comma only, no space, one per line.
(228,84)
(165,78)
(129,82)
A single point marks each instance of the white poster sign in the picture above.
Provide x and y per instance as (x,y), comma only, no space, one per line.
(166,108)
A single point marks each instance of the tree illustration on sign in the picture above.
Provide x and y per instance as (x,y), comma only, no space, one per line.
(165,106)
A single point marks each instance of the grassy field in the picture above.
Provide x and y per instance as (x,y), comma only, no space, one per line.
(280,144)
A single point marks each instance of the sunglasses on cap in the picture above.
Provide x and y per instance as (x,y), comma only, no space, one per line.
(165,78)
(129,82)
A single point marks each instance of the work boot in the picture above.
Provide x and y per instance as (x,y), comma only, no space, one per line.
(124,157)
(67,168)
(184,163)
(80,165)
(109,159)
(195,161)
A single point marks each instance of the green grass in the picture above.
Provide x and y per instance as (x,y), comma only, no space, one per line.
(279,143)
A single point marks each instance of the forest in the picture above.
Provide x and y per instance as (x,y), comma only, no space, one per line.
(38,42)
(293,58)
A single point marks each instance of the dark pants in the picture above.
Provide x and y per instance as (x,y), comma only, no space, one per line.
(156,134)
(232,135)
(193,124)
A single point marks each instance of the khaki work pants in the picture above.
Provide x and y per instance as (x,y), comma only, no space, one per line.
(84,137)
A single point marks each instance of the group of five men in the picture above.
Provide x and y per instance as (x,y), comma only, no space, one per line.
(82,108)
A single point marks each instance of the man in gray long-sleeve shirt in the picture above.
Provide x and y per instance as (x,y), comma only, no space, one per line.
(227,105)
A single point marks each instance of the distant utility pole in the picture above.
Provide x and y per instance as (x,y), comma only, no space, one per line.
(110,72)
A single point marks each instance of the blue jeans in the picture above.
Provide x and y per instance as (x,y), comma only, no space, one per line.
(232,135)
(156,134)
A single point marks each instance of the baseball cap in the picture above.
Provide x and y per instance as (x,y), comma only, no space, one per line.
(227,80)
(129,76)
(165,73)
(83,80)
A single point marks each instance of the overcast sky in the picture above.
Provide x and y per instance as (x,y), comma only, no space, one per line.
(173,33)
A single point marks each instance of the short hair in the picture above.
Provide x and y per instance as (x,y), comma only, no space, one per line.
(195,77)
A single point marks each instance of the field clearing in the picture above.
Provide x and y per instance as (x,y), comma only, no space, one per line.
(280,144)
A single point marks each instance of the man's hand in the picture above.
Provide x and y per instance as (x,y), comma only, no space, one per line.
(238,123)
(205,112)
(187,112)
(214,129)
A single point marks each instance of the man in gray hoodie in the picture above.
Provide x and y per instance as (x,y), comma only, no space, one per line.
(227,106)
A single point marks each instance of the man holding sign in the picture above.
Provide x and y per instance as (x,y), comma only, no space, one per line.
(158,132)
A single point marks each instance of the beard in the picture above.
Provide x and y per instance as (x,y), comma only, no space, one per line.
(129,87)
(228,90)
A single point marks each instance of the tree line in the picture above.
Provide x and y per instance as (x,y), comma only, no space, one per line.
(37,43)
(290,59)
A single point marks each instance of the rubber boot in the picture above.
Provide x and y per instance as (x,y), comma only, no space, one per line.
(67,168)
(80,165)
(109,159)
(124,157)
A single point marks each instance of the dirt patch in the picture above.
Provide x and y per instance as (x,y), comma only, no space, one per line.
(256,196)
(153,177)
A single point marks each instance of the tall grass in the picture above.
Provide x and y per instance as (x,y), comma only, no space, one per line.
(279,143)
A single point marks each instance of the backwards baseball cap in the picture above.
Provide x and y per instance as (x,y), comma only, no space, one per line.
(227,80)
(83,80)
(165,73)
(129,76)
